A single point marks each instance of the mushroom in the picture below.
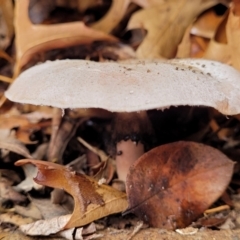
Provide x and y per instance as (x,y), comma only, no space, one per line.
(128,90)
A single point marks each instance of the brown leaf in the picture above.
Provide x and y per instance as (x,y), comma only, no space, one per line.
(92,201)
(63,129)
(16,219)
(206,25)
(31,38)
(233,35)
(179,181)
(113,16)
(6,23)
(218,49)
(166,24)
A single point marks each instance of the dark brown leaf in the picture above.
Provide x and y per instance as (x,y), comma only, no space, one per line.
(172,185)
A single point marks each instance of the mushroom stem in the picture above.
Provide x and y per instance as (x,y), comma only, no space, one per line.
(132,133)
(127,153)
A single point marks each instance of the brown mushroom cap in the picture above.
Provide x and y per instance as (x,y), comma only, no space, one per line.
(127,87)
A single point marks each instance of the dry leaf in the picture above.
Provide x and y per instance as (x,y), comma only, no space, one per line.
(179,181)
(63,129)
(218,49)
(8,193)
(45,227)
(28,184)
(92,201)
(233,36)
(206,24)
(31,39)
(14,145)
(55,225)
(24,127)
(106,168)
(50,210)
(30,211)
(14,219)
(166,24)
(6,23)
(184,47)
(113,16)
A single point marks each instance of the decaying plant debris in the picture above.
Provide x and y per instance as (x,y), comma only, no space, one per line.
(77,169)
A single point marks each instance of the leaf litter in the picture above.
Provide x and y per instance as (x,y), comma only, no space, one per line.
(27,132)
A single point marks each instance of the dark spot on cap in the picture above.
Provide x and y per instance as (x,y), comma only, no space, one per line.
(119,153)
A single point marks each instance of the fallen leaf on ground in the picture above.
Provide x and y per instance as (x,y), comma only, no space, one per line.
(50,210)
(55,225)
(6,23)
(30,211)
(14,145)
(233,36)
(15,219)
(31,39)
(92,201)
(178,181)
(8,193)
(166,24)
(218,49)
(28,184)
(206,24)
(45,227)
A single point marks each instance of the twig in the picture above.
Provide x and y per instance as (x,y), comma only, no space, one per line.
(135,230)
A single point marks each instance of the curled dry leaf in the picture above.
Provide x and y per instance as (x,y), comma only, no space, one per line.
(31,38)
(171,185)
(28,184)
(166,24)
(92,201)
(218,49)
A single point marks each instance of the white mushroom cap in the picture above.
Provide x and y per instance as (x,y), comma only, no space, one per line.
(127,87)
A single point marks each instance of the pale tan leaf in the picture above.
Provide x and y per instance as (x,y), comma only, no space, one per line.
(184,48)
(233,36)
(206,24)
(50,210)
(13,145)
(166,24)
(45,227)
(113,17)
(14,219)
(6,23)
(28,184)
(8,193)
(30,211)
(218,49)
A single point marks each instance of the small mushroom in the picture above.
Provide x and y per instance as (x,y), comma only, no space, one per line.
(129,89)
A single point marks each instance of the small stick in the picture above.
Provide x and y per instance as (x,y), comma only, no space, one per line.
(6,79)
(97,151)
(216,209)
(135,230)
